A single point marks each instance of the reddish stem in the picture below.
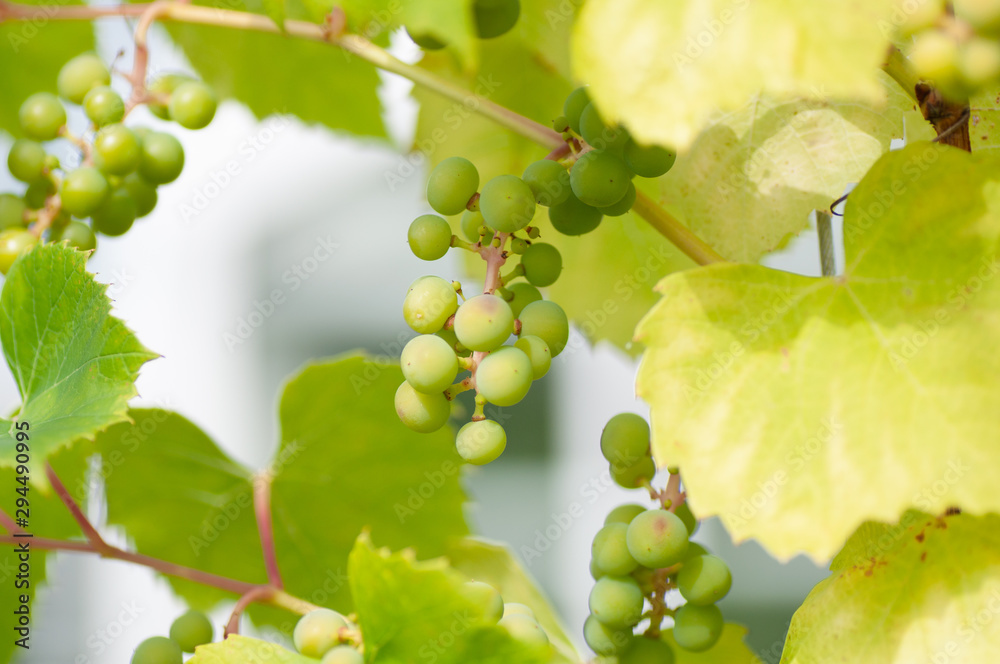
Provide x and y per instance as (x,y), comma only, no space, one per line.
(265,526)
(93,537)
(255,595)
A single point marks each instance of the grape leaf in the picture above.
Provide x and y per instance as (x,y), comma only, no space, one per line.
(924,590)
(448,21)
(75,365)
(665,68)
(237,649)
(983,119)
(276,10)
(730,649)
(784,398)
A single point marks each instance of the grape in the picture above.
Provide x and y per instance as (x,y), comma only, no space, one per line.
(609,550)
(602,639)
(486,596)
(13,243)
(429,237)
(504,376)
(192,105)
(622,206)
(162,158)
(103,106)
(625,439)
(342,655)
(424,413)
(452,340)
(190,630)
(77,234)
(429,302)
(42,116)
(472,221)
(616,601)
(599,135)
(574,217)
(451,184)
(648,162)
(518,245)
(657,539)
(645,650)
(548,181)
(704,580)
(484,322)
(158,650)
(495,17)
(979,61)
(429,364)
(116,150)
(525,629)
(116,215)
(685,514)
(983,15)
(542,264)
(697,628)
(317,632)
(517,609)
(573,107)
(425,41)
(12,209)
(694,549)
(143,193)
(83,191)
(935,56)
(624,514)
(507,203)
(481,442)
(38,191)
(26,160)
(547,320)
(538,352)
(596,571)
(633,476)
(79,75)
(161,89)
(599,179)
(520,296)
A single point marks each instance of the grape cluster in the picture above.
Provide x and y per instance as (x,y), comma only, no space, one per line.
(186,633)
(638,556)
(121,166)
(492,18)
(328,636)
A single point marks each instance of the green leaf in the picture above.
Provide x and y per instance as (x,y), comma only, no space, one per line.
(925,590)
(238,649)
(449,21)
(730,649)
(797,408)
(984,119)
(666,68)
(75,365)
(276,10)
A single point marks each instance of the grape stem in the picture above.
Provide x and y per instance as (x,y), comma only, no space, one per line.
(265,526)
(48,214)
(899,68)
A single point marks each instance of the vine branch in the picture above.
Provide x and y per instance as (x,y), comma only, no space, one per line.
(265,526)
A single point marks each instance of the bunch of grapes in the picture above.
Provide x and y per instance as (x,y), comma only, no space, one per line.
(189,631)
(639,555)
(492,18)
(121,166)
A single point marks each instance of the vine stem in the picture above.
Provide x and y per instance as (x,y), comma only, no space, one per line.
(265,525)
(679,234)
(899,68)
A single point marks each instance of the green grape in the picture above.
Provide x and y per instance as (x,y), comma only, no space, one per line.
(161,89)
(143,193)
(616,601)
(595,571)
(982,15)
(574,217)
(979,61)
(517,609)
(190,630)
(599,135)
(573,107)
(13,243)
(561,124)
(632,476)
(538,352)
(162,158)
(429,303)
(599,179)
(116,150)
(704,580)
(452,340)
(685,514)
(158,650)
(79,75)
(624,514)
(697,628)
(116,215)
(429,364)
(648,162)
(542,264)
(507,203)
(192,105)
(429,237)
(622,206)
(38,191)
(26,160)
(317,632)
(484,322)
(451,184)
(518,246)
(694,549)
(495,17)
(921,16)
(77,234)
(42,116)
(657,539)
(504,376)
(342,655)
(646,578)
(525,629)
(645,650)
(104,106)
(425,41)
(83,191)
(424,413)
(12,210)
(481,442)
(547,320)
(520,295)
(609,550)
(472,221)
(486,596)
(935,56)
(625,439)
(602,639)
(548,181)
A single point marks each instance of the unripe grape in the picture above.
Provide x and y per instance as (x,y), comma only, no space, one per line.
(42,116)
(429,364)
(76,234)
(524,629)
(38,191)
(192,105)
(429,237)
(982,15)
(520,295)
(190,630)
(616,601)
(595,571)
(633,476)
(143,193)
(657,539)
(518,246)
(485,596)
(685,514)
(429,303)
(542,264)
(646,650)
(83,191)
(342,655)
(484,322)
(317,632)
(622,206)
(116,150)
(12,211)
(704,580)
(507,203)
(449,336)
(598,134)
(451,184)
(79,75)
(424,413)
(921,16)
(504,376)
(104,106)
(472,221)
(609,550)
(602,639)
(548,181)
(495,17)
(625,439)
(13,243)
(26,160)
(481,442)
(574,217)
(158,650)
(116,215)
(648,161)
(162,88)
(547,320)
(979,61)
(517,609)
(694,549)
(425,41)
(573,107)
(599,179)
(697,628)
(624,514)
(935,56)
(162,158)
(538,352)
